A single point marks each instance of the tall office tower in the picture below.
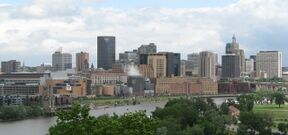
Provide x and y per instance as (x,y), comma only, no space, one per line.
(143,59)
(173,67)
(147,49)
(193,60)
(233,48)
(207,65)
(10,66)
(144,51)
(269,62)
(128,57)
(61,61)
(254,59)
(158,62)
(82,61)
(249,65)
(105,52)
(230,66)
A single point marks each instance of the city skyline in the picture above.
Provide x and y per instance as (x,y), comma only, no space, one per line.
(185,27)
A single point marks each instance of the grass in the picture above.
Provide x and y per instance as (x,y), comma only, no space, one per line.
(278,114)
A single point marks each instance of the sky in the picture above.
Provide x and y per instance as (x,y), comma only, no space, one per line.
(31,30)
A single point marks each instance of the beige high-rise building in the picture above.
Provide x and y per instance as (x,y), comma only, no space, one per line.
(269,62)
(158,62)
(207,65)
(146,71)
(82,61)
(249,66)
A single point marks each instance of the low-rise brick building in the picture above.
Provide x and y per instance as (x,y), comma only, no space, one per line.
(185,85)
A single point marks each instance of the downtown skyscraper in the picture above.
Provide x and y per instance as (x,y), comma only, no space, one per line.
(82,61)
(10,66)
(233,48)
(207,65)
(61,61)
(105,52)
(233,63)
(269,63)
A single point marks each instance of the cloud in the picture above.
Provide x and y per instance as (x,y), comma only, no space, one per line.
(44,26)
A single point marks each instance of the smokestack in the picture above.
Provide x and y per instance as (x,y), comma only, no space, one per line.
(133,70)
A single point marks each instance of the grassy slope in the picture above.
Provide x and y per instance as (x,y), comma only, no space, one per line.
(279,114)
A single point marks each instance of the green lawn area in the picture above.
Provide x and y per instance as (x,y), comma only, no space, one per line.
(279,114)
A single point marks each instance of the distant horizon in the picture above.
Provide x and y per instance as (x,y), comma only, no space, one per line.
(32,30)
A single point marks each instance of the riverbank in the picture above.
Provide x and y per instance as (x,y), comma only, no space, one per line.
(111,101)
(40,125)
(114,101)
(20,112)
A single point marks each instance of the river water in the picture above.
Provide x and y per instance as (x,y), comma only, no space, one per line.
(40,126)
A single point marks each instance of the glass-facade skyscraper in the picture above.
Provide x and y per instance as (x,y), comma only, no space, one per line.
(105,52)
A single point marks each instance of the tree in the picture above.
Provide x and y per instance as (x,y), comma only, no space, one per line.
(252,123)
(283,127)
(74,122)
(246,102)
(168,126)
(195,130)
(13,112)
(224,108)
(184,112)
(279,98)
(77,121)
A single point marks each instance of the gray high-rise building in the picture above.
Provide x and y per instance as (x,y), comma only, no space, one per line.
(233,48)
(143,59)
(144,51)
(173,64)
(231,66)
(105,51)
(147,49)
(254,59)
(207,65)
(10,66)
(129,57)
(61,61)
(193,60)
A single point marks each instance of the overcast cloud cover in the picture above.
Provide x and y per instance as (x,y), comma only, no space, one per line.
(33,30)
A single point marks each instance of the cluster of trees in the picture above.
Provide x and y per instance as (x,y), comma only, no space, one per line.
(268,97)
(195,116)
(77,121)
(250,123)
(283,127)
(257,123)
(16,112)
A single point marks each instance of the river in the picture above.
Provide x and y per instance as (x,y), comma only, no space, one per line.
(40,126)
